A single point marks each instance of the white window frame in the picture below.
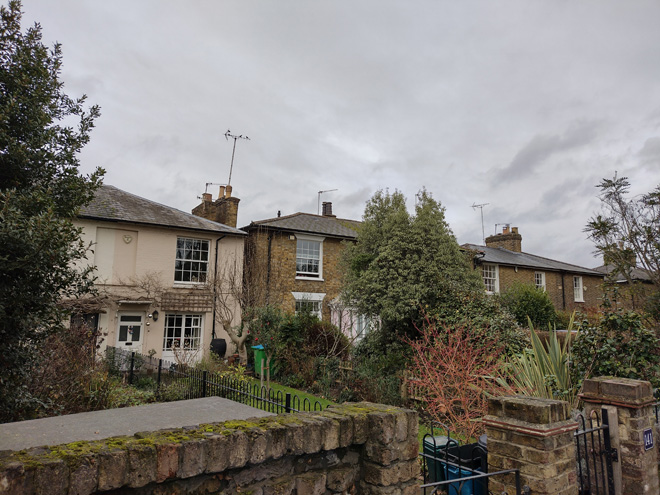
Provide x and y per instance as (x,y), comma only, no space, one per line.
(192,342)
(301,275)
(182,256)
(578,289)
(539,280)
(495,279)
(314,298)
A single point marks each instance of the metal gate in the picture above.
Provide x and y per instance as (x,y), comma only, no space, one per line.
(595,455)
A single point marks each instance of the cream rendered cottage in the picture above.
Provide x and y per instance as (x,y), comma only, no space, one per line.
(157,274)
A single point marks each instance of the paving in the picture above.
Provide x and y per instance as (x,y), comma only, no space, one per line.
(125,421)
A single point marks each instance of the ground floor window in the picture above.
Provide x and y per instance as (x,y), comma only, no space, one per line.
(87,321)
(182,331)
(309,301)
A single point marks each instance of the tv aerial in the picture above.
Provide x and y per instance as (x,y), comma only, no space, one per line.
(235,137)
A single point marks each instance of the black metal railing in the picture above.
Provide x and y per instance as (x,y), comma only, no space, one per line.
(595,455)
(172,381)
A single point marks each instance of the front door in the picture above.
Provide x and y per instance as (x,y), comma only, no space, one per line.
(129,331)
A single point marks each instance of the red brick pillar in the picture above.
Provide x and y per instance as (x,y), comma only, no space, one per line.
(632,421)
(535,436)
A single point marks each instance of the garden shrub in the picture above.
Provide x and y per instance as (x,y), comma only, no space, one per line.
(527,301)
(479,310)
(457,367)
(296,342)
(67,378)
(619,346)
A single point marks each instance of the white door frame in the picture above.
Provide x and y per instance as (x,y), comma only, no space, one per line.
(129,344)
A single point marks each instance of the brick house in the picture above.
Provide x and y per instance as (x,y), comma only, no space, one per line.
(154,266)
(632,292)
(293,261)
(502,263)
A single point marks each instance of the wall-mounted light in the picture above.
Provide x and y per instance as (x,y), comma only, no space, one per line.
(155,315)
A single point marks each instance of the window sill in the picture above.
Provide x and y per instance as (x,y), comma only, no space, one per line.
(313,279)
(188,285)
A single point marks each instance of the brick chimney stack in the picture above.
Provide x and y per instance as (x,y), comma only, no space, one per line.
(223,210)
(508,239)
(327,209)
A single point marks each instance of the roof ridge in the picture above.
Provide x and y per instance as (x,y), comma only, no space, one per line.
(111,203)
(535,256)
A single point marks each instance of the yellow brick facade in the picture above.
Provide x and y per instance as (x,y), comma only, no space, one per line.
(558,285)
(271,269)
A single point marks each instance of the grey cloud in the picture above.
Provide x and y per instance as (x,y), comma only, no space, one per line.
(650,152)
(542,147)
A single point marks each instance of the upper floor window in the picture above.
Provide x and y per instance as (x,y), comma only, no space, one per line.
(490,274)
(192,260)
(578,289)
(539,280)
(309,257)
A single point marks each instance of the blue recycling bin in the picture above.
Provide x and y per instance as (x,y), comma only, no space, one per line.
(467,457)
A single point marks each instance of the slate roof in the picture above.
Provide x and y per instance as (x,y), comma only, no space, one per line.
(313,224)
(114,205)
(636,274)
(501,256)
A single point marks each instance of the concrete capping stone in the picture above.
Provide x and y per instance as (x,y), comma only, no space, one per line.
(331,451)
(618,391)
(529,409)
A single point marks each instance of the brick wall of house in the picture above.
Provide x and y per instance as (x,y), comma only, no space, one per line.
(283,269)
(592,287)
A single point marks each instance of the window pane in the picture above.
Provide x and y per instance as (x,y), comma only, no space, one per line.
(308,255)
(191,263)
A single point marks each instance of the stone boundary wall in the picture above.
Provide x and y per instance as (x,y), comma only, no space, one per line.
(351,448)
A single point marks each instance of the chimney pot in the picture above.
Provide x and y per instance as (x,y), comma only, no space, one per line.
(221,194)
(228,191)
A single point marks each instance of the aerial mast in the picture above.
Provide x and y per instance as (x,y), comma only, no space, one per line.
(481,207)
(235,137)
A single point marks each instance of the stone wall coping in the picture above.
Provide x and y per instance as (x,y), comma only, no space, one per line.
(388,432)
(624,392)
(535,410)
(531,429)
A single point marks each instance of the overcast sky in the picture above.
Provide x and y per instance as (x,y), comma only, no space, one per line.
(524,105)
